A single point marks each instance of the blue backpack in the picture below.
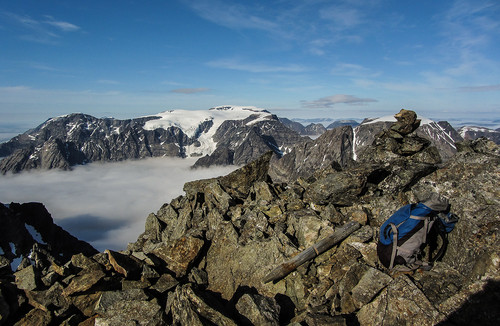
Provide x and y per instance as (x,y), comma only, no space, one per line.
(404,234)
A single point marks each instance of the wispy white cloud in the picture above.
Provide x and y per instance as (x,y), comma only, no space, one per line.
(482,88)
(14,89)
(108,82)
(62,25)
(469,28)
(106,204)
(41,66)
(38,30)
(342,17)
(190,90)
(330,101)
(353,70)
(255,67)
(231,15)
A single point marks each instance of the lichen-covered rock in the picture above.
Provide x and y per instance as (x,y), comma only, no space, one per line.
(27,278)
(132,312)
(471,182)
(400,303)
(128,266)
(35,317)
(83,282)
(49,299)
(369,285)
(231,265)
(258,309)
(164,283)
(189,309)
(180,254)
(340,188)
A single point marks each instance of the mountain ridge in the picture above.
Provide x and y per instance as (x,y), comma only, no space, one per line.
(65,141)
(225,135)
(203,256)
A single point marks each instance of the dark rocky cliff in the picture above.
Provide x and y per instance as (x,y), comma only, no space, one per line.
(239,143)
(203,256)
(76,139)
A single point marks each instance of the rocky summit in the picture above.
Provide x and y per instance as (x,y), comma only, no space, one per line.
(205,257)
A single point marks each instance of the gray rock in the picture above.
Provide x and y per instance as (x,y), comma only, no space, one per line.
(259,310)
(83,282)
(27,278)
(231,265)
(401,302)
(180,254)
(49,299)
(83,262)
(165,283)
(35,317)
(128,266)
(340,188)
(187,308)
(369,286)
(325,320)
(132,312)
(226,234)
(470,181)
(108,298)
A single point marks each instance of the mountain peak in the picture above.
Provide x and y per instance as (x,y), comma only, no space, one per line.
(190,120)
(238,108)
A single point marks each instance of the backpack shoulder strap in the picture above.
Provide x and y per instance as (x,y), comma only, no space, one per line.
(394,244)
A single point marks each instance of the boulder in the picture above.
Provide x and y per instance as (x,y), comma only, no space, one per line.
(401,302)
(180,254)
(338,188)
(132,312)
(35,317)
(27,278)
(189,309)
(258,309)
(128,266)
(83,282)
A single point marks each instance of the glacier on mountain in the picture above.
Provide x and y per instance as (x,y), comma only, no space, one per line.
(191,122)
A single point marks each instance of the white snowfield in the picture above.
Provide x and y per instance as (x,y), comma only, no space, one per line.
(465,129)
(189,121)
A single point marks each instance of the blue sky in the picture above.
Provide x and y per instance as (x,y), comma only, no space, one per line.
(299,59)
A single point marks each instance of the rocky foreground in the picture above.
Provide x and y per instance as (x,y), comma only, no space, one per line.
(203,257)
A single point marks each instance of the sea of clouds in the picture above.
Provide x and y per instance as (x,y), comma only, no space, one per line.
(106,204)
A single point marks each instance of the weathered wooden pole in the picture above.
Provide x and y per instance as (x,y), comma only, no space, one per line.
(321,246)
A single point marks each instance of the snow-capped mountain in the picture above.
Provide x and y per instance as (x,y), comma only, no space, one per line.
(202,125)
(440,134)
(341,146)
(73,139)
(474,132)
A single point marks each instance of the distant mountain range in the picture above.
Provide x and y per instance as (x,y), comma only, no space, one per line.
(219,136)
(242,133)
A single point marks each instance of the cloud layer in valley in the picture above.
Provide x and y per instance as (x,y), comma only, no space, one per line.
(105,204)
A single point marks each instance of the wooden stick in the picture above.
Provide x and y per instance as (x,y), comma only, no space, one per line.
(321,246)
